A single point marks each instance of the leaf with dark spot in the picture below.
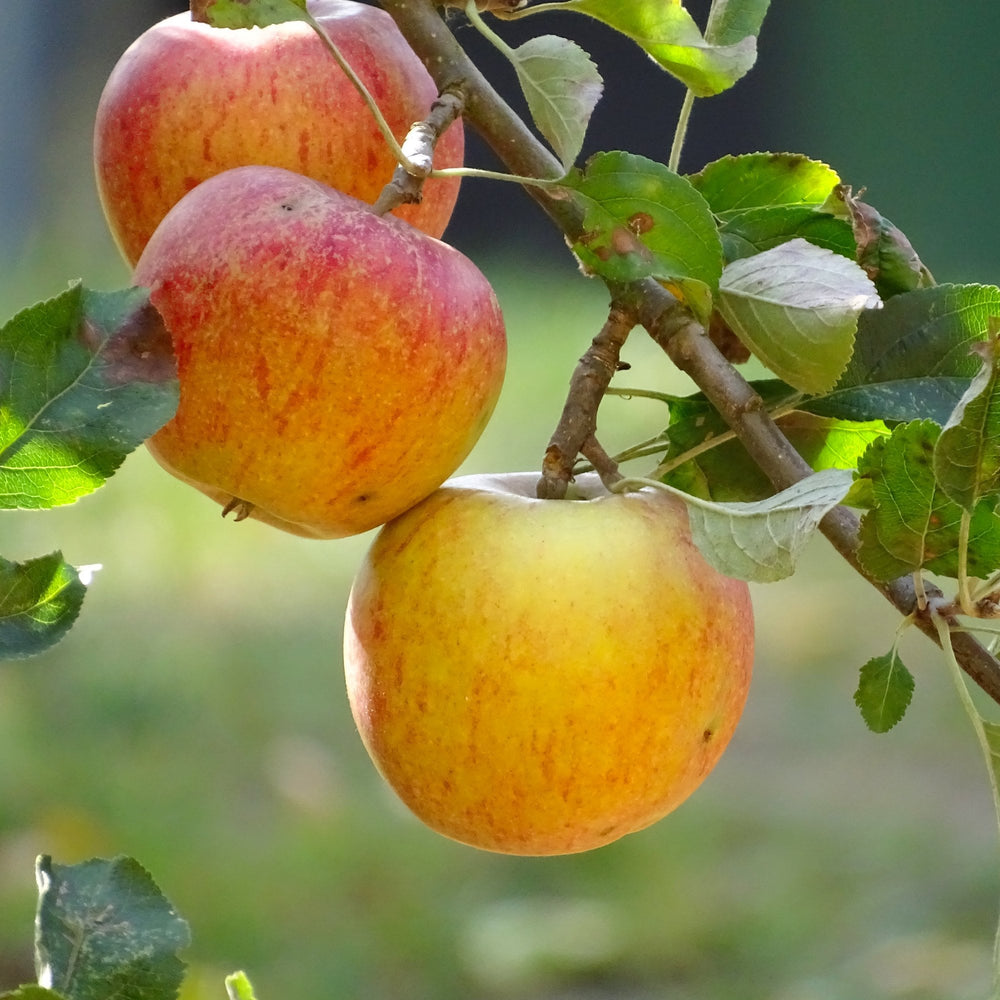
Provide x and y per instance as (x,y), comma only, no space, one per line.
(85,378)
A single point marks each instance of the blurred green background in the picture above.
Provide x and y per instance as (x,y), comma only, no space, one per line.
(196,719)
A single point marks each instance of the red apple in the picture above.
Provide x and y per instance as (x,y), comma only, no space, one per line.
(335,366)
(187,101)
(544,676)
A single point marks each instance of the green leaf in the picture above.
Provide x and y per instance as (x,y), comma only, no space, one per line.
(732,20)
(562,88)
(104,930)
(734,185)
(727,473)
(763,229)
(84,379)
(31,992)
(239,987)
(967,454)
(761,542)
(912,524)
(884,252)
(922,334)
(898,400)
(797,307)
(885,689)
(39,602)
(671,37)
(643,220)
(254,13)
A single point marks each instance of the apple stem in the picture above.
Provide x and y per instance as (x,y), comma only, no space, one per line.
(576,432)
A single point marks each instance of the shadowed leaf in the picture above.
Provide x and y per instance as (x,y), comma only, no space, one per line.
(104,930)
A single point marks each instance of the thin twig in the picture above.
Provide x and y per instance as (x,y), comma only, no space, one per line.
(577,425)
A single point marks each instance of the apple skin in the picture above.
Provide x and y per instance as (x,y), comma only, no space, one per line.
(187,101)
(543,677)
(335,366)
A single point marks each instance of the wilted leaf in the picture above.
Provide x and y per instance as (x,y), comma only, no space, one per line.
(562,87)
(251,13)
(762,541)
(912,524)
(884,252)
(643,220)
(84,379)
(39,601)
(885,689)
(797,307)
(967,454)
(104,930)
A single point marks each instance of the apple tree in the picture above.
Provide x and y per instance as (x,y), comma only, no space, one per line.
(873,426)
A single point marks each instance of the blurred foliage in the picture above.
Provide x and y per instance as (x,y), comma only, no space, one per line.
(195,718)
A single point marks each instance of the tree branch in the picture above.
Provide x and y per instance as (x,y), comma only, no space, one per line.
(576,431)
(669,323)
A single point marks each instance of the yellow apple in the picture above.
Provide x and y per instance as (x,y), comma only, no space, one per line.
(187,101)
(335,366)
(544,676)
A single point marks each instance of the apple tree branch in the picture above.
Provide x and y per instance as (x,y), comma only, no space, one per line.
(667,321)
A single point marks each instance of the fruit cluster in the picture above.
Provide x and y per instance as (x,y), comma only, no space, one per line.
(531,676)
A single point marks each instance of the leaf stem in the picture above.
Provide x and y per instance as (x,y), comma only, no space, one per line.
(943,628)
(680,132)
(964,588)
(383,126)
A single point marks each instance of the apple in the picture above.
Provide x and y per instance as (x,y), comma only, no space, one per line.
(544,676)
(335,366)
(187,101)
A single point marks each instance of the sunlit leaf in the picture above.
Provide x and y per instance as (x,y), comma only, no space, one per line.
(912,524)
(671,37)
(643,220)
(252,13)
(84,379)
(727,473)
(239,987)
(104,929)
(797,307)
(733,185)
(885,689)
(762,541)
(967,454)
(39,601)
(562,87)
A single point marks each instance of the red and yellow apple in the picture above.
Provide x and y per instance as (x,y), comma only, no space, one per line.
(335,366)
(544,676)
(187,101)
